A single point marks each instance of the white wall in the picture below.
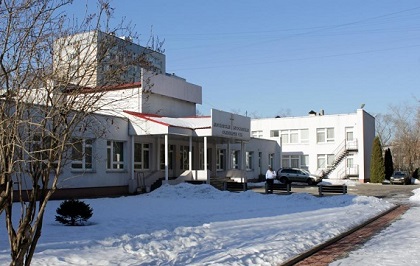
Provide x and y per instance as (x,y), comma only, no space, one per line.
(108,128)
(362,123)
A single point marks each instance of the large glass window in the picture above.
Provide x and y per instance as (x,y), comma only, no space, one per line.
(295,161)
(141,156)
(170,156)
(115,154)
(183,156)
(249,160)
(235,159)
(220,159)
(209,158)
(81,154)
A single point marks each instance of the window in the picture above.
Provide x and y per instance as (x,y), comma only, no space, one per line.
(220,159)
(284,137)
(349,134)
(81,154)
(349,162)
(183,156)
(141,156)
(274,133)
(115,155)
(257,134)
(325,160)
(304,162)
(235,159)
(271,159)
(295,161)
(249,160)
(209,158)
(43,150)
(304,136)
(324,135)
(294,136)
(170,156)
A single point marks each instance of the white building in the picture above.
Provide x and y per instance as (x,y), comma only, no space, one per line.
(149,131)
(97,59)
(334,146)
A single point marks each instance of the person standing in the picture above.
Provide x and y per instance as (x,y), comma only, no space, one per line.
(269,178)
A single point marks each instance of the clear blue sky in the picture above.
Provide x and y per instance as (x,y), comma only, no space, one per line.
(273,57)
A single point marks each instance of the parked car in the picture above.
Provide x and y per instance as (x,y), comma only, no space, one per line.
(289,175)
(400,177)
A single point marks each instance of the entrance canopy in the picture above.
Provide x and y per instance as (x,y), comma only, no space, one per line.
(219,124)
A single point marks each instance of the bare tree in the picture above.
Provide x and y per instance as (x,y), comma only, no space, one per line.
(384,128)
(49,93)
(406,139)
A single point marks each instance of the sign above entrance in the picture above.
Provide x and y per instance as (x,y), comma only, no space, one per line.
(228,125)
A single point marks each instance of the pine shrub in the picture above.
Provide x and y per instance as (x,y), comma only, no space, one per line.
(389,164)
(73,212)
(377,166)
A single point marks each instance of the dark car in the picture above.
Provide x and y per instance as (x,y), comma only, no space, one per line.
(289,175)
(400,177)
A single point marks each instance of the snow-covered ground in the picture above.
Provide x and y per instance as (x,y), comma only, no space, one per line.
(200,225)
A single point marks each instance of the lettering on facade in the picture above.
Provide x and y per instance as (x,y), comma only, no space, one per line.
(230,125)
(232,131)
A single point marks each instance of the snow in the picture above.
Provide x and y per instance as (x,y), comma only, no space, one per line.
(200,225)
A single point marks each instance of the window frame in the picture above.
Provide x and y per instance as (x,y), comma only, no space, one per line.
(114,164)
(249,160)
(142,151)
(325,135)
(220,159)
(86,155)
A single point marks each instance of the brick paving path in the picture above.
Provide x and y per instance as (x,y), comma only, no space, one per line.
(342,247)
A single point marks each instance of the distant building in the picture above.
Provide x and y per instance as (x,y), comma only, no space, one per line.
(98,59)
(334,146)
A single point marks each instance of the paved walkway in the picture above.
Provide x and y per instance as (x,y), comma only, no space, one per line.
(354,240)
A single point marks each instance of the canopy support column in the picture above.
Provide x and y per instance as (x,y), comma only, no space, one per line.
(205,160)
(190,154)
(166,158)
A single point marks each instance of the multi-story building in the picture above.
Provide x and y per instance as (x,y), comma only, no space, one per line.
(149,131)
(96,59)
(334,146)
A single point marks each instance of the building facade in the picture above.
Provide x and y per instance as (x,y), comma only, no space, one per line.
(148,132)
(333,146)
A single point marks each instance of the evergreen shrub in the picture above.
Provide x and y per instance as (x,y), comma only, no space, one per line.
(73,212)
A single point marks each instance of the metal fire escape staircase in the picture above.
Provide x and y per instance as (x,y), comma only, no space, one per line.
(340,153)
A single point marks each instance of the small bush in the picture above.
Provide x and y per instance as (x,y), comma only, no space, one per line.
(73,212)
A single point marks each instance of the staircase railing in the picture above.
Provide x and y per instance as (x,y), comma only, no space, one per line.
(341,152)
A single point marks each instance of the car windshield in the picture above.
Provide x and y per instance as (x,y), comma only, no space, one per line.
(399,174)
